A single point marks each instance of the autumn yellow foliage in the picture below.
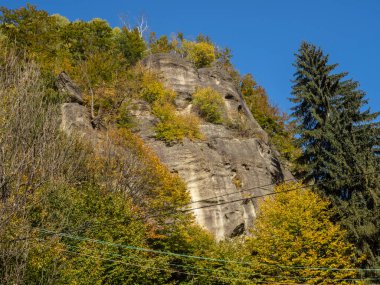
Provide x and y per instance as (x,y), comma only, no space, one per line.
(293,237)
(154,91)
(172,127)
(202,54)
(210,104)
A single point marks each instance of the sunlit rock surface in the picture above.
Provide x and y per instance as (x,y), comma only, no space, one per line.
(218,168)
(222,171)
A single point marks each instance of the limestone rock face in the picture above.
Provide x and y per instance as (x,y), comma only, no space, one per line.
(181,76)
(222,171)
(225,169)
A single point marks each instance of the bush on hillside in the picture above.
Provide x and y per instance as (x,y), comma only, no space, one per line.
(201,54)
(210,104)
(174,127)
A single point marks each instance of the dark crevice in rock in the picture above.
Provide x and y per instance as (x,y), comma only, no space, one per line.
(229,97)
(246,167)
(239,230)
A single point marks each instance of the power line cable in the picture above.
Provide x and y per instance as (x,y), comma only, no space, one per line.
(160,268)
(273,184)
(242,191)
(239,273)
(193,256)
(144,218)
(172,264)
(253,197)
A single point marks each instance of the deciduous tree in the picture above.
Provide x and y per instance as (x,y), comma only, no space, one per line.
(293,234)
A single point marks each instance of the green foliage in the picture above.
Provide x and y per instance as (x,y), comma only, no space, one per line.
(172,127)
(313,110)
(93,213)
(210,104)
(84,38)
(337,139)
(270,119)
(161,45)
(131,45)
(202,54)
(294,230)
(33,32)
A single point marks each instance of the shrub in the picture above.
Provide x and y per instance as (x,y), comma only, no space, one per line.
(154,91)
(201,54)
(161,45)
(210,104)
(173,127)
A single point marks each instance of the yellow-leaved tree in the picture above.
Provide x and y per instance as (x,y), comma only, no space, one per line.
(202,54)
(295,241)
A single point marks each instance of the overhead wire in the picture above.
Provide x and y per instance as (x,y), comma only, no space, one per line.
(172,264)
(144,218)
(218,260)
(241,273)
(171,212)
(194,256)
(257,280)
(214,270)
(242,191)
(252,197)
(163,269)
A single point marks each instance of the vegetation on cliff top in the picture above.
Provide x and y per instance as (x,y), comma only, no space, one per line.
(71,216)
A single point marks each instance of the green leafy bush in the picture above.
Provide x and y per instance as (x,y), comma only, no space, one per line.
(202,54)
(131,44)
(154,91)
(210,104)
(173,127)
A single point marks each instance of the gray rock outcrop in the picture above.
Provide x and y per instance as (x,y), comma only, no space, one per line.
(68,88)
(225,169)
(222,171)
(181,76)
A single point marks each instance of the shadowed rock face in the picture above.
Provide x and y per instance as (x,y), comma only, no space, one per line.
(218,168)
(215,169)
(67,87)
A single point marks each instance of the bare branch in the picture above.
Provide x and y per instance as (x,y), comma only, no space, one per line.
(142,25)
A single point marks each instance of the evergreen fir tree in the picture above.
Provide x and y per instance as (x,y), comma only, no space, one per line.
(356,186)
(340,142)
(313,93)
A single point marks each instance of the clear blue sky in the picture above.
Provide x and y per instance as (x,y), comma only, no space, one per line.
(263,35)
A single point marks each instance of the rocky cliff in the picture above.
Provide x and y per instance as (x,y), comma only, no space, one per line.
(221,171)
